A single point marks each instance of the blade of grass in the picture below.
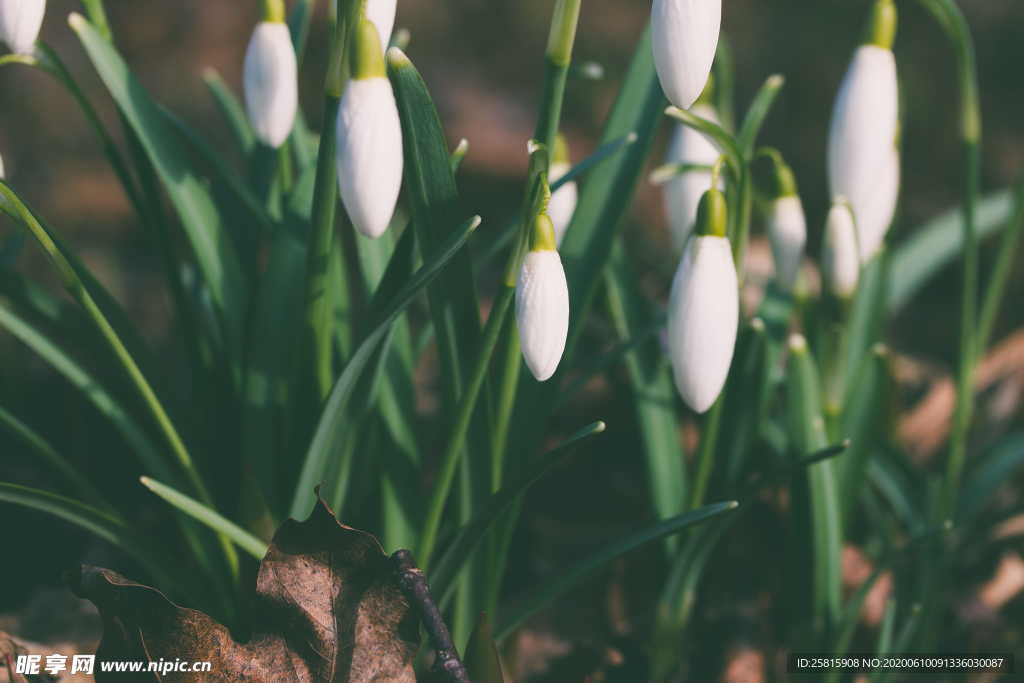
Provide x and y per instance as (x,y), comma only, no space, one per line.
(210,518)
(808,429)
(214,252)
(331,430)
(552,590)
(102,524)
(42,449)
(935,244)
(470,535)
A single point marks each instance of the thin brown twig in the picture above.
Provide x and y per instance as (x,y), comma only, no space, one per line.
(413,583)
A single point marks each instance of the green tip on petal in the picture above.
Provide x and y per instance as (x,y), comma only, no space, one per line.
(274,11)
(367,53)
(779,181)
(712,214)
(882,27)
(543,234)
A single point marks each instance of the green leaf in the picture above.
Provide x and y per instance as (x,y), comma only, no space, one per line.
(232,111)
(467,538)
(566,580)
(863,423)
(213,249)
(937,243)
(993,471)
(210,518)
(42,449)
(758,112)
(92,389)
(331,430)
(807,427)
(654,390)
(104,525)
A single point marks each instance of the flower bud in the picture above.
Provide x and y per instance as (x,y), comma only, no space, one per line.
(2,168)
(381,14)
(369,154)
(862,139)
(683,192)
(542,303)
(840,257)
(684,35)
(562,205)
(20,21)
(703,314)
(271,83)
(787,225)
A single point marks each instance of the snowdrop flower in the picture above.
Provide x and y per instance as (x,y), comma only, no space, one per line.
(20,21)
(840,257)
(876,211)
(2,168)
(683,192)
(703,313)
(863,165)
(381,14)
(684,35)
(542,302)
(271,77)
(563,202)
(787,225)
(369,154)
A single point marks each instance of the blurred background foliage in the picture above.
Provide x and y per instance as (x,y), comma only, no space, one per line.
(482,60)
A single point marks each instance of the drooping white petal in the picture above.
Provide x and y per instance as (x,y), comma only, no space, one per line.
(382,14)
(874,212)
(271,83)
(682,193)
(703,316)
(684,35)
(20,21)
(542,312)
(787,230)
(840,255)
(369,156)
(862,141)
(563,201)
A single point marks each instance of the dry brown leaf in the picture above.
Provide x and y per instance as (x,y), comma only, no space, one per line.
(328,607)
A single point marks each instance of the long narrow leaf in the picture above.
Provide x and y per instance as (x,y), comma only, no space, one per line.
(551,591)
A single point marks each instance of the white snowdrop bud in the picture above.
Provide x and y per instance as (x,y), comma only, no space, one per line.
(369,154)
(542,303)
(271,82)
(563,201)
(20,21)
(787,225)
(2,168)
(381,14)
(703,314)
(875,212)
(684,35)
(787,230)
(840,254)
(864,128)
(683,192)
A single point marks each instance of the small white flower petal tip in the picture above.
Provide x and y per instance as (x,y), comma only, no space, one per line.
(271,82)
(863,161)
(542,303)
(684,37)
(369,154)
(840,257)
(20,21)
(703,315)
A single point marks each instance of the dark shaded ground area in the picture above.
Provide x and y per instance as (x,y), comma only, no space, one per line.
(482,59)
